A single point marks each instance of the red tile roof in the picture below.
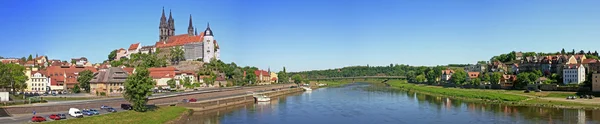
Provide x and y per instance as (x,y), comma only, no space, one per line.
(6,61)
(179,40)
(588,61)
(274,78)
(128,70)
(163,72)
(263,72)
(509,77)
(134,46)
(447,71)
(473,74)
(59,73)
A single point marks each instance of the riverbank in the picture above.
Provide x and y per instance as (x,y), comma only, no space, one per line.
(339,83)
(159,115)
(508,97)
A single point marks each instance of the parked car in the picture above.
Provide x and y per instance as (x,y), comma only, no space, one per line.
(126,106)
(54,117)
(38,119)
(104,107)
(185,101)
(110,109)
(62,116)
(87,112)
(74,112)
(192,100)
(94,111)
(527,91)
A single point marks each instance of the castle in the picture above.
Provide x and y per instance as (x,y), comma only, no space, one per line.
(195,46)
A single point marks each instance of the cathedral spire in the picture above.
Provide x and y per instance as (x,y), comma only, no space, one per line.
(190,27)
(196,31)
(163,19)
(171,23)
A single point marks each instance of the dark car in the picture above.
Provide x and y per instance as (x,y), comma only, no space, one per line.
(38,119)
(110,109)
(87,112)
(126,106)
(94,111)
(62,116)
(54,117)
(192,100)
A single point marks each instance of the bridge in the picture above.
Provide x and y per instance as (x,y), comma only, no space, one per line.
(359,77)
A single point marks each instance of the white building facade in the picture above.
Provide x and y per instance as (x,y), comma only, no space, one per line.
(37,82)
(573,74)
(211,50)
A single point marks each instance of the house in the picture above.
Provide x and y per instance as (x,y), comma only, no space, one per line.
(220,81)
(447,74)
(579,58)
(507,81)
(479,67)
(498,66)
(80,61)
(163,74)
(41,60)
(473,75)
(573,74)
(65,76)
(519,55)
(120,54)
(37,81)
(274,77)
(147,49)
(596,82)
(262,77)
(133,48)
(109,81)
(591,65)
(11,60)
(514,68)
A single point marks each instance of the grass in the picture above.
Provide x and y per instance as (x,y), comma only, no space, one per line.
(334,83)
(545,93)
(494,95)
(158,116)
(67,98)
(551,103)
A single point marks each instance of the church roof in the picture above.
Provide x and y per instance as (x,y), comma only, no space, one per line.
(179,40)
(208,32)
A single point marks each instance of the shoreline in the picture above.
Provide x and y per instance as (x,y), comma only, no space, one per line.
(486,96)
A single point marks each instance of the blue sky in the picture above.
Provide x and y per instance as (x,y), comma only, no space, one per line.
(307,34)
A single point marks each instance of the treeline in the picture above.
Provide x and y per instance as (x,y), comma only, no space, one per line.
(509,57)
(411,72)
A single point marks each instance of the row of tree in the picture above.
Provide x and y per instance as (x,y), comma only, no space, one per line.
(12,77)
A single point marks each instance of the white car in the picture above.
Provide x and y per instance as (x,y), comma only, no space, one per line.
(74,112)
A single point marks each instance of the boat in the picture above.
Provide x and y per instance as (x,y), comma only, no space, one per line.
(262,98)
(307,88)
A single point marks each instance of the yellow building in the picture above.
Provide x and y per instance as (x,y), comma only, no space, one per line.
(274,77)
(109,81)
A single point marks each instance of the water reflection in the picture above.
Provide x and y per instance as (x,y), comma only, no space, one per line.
(361,103)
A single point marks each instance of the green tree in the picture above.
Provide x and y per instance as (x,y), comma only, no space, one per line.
(475,82)
(495,78)
(138,87)
(172,84)
(562,52)
(459,77)
(420,78)
(297,79)
(29,58)
(282,76)
(11,75)
(177,55)
(431,76)
(73,61)
(187,83)
(112,55)
(84,79)
(115,63)
(484,77)
(76,88)
(522,80)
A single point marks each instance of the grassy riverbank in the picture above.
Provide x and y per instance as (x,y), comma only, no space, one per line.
(160,115)
(518,98)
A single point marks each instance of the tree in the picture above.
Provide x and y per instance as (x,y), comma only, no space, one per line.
(29,58)
(138,87)
(84,79)
(581,52)
(177,54)
(523,79)
(115,63)
(459,77)
(475,82)
(297,79)
(112,55)
(172,84)
(431,76)
(73,61)
(595,53)
(495,78)
(76,89)
(484,77)
(187,83)
(562,52)
(11,75)
(420,78)
(282,76)
(23,59)
(573,52)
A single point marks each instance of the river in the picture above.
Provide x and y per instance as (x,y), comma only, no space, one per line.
(360,103)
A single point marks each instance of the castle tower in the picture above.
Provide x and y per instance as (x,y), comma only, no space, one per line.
(163,27)
(208,44)
(190,27)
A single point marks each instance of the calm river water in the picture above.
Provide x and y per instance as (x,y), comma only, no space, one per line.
(360,103)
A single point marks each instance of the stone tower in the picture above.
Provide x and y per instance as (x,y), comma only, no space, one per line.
(190,27)
(171,24)
(163,27)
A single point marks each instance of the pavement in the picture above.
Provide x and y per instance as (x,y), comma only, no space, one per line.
(26,118)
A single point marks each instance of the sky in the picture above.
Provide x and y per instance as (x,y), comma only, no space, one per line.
(307,34)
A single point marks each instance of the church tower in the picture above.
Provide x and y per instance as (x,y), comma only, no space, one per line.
(190,27)
(171,23)
(209,45)
(163,27)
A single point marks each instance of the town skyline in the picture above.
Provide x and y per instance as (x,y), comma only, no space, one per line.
(324,37)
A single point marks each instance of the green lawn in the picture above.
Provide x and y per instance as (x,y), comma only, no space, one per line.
(495,95)
(159,116)
(68,98)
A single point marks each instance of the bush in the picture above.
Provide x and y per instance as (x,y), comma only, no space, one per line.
(102,94)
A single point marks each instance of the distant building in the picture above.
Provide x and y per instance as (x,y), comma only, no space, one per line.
(109,81)
(147,49)
(507,81)
(121,53)
(262,77)
(447,74)
(573,74)
(193,50)
(80,61)
(596,82)
(133,48)
(38,82)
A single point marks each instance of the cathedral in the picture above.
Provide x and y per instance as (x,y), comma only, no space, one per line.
(195,46)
